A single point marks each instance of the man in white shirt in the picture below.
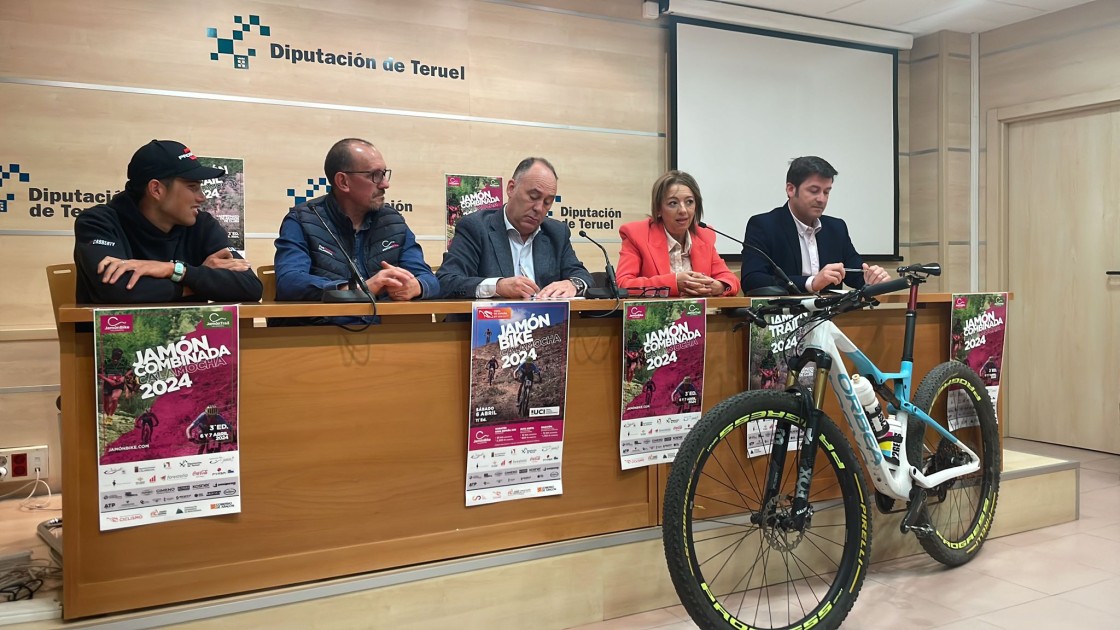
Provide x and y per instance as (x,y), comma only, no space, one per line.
(515,252)
(815,251)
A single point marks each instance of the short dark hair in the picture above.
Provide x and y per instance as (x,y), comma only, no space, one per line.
(661,189)
(524,165)
(800,169)
(340,158)
(136,189)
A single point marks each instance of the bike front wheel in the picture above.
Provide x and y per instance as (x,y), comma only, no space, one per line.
(960,511)
(736,557)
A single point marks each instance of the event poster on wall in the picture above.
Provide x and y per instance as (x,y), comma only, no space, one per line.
(225,198)
(467,194)
(768,370)
(167,402)
(976,339)
(662,378)
(519,379)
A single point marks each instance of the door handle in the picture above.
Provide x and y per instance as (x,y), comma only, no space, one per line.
(1112,273)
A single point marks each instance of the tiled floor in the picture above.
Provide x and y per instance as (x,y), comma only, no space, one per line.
(1066,576)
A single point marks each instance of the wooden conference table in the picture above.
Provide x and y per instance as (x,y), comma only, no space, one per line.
(353,449)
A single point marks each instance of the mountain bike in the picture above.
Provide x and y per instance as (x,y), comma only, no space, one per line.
(523,392)
(779,535)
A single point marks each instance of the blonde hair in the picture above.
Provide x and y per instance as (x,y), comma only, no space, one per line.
(661,189)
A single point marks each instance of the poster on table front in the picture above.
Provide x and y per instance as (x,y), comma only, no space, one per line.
(976,339)
(519,380)
(769,349)
(225,198)
(167,402)
(467,194)
(662,378)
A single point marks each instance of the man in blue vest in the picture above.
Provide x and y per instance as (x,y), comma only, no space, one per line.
(353,214)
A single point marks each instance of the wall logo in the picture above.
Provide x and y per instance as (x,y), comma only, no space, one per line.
(303,53)
(12,172)
(315,187)
(44,202)
(228,46)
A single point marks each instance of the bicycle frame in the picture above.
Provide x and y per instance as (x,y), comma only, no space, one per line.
(828,339)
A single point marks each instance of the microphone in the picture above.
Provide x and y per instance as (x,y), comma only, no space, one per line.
(778,273)
(339,296)
(611,292)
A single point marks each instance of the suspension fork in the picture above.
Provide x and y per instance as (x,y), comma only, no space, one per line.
(811,403)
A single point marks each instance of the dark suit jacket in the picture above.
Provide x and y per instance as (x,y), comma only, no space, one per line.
(774,232)
(644,258)
(481,250)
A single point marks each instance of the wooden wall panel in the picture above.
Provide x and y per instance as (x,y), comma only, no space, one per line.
(585,92)
(1067,53)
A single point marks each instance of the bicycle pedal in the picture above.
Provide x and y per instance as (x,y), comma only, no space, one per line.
(915,513)
(922,531)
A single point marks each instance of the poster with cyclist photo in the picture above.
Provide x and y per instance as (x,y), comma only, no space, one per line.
(769,349)
(519,380)
(976,339)
(467,194)
(167,395)
(662,378)
(225,198)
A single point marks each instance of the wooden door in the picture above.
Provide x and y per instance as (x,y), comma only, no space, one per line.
(1063,381)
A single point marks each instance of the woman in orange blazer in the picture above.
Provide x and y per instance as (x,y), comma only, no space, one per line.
(670,249)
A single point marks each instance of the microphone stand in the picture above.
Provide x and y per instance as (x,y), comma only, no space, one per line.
(612,292)
(790,287)
(361,292)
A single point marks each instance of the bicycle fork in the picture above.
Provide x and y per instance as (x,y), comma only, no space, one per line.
(800,513)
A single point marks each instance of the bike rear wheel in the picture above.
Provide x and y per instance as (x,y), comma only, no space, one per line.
(961,510)
(734,559)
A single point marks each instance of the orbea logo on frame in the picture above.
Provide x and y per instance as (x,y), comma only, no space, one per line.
(116,324)
(636,312)
(495,313)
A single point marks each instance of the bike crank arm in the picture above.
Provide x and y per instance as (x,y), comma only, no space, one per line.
(916,519)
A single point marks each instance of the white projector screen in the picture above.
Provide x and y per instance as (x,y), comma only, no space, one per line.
(747,102)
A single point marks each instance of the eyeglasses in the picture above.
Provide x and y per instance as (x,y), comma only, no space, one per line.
(375,176)
(648,291)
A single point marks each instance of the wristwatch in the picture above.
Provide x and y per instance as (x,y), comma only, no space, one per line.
(177,273)
(581,286)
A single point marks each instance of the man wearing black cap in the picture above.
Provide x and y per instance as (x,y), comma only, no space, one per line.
(150,243)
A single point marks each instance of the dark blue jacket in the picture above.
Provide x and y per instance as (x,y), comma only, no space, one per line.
(775,233)
(308,260)
(481,250)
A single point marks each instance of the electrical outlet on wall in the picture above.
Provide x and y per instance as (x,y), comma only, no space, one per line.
(23,463)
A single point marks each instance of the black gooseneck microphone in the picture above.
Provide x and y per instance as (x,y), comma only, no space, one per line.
(790,286)
(344,296)
(611,292)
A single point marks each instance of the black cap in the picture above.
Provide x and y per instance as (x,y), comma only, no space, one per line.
(160,159)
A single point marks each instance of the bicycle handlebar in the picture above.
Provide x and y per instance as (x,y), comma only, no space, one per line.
(842,303)
(889,286)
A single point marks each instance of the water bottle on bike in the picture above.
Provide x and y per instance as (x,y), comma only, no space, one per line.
(886,430)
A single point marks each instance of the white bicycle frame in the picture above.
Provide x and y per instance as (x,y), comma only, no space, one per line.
(889,480)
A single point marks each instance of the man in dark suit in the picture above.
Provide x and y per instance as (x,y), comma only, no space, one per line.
(515,252)
(815,251)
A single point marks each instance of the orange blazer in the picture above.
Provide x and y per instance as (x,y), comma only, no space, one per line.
(644,259)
